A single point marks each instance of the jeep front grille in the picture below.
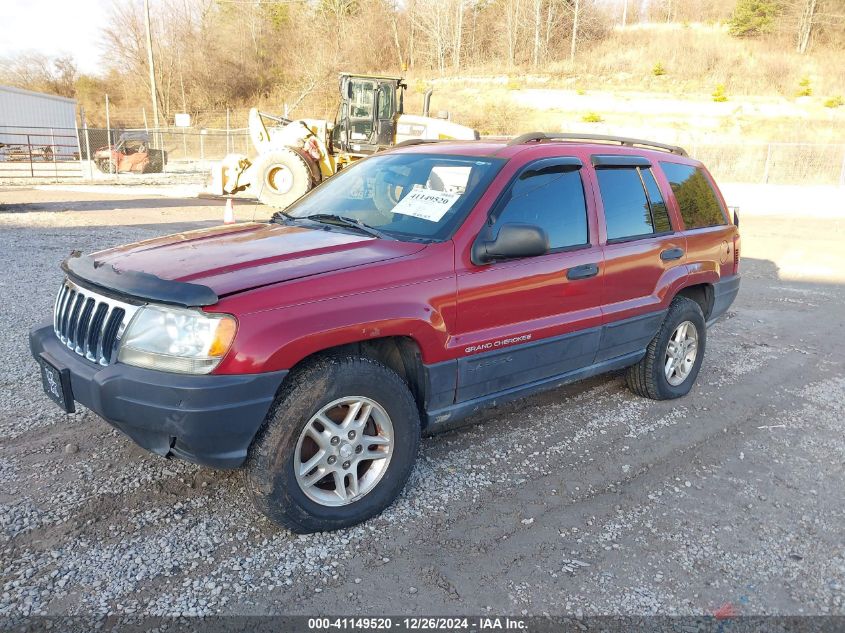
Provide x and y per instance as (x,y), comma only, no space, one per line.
(89,323)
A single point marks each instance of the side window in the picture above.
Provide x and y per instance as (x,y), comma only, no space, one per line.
(385,102)
(659,211)
(626,209)
(697,201)
(551,197)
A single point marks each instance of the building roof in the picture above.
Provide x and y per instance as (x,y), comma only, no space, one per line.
(32,93)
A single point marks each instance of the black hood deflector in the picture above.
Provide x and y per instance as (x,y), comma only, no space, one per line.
(87,270)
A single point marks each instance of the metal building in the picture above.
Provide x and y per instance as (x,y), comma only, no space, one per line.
(37,120)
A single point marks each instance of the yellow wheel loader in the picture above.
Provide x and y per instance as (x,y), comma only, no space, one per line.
(295,155)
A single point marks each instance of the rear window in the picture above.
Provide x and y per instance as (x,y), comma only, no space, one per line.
(697,201)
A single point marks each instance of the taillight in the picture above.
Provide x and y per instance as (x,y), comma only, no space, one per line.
(736,253)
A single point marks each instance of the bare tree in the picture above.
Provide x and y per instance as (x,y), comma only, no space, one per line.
(34,71)
(512,27)
(459,35)
(535,53)
(805,25)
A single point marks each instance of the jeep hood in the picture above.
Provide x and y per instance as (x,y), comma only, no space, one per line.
(228,259)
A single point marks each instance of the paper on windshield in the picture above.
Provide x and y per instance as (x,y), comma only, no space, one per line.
(426,204)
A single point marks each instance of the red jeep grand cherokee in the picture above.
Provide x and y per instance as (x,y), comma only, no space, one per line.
(398,297)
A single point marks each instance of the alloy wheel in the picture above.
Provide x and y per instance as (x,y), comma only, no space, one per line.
(343,451)
(681,352)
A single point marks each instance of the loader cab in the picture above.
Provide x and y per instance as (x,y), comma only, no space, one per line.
(366,118)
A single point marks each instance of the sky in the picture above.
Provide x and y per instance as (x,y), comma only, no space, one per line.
(54,27)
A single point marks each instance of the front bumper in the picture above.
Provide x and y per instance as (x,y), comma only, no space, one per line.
(209,420)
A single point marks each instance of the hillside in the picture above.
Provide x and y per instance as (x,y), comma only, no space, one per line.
(660,80)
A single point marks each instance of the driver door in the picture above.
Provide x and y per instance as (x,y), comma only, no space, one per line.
(525,320)
(362,96)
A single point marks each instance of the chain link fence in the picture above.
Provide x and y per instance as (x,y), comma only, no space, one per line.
(774,163)
(98,154)
(183,151)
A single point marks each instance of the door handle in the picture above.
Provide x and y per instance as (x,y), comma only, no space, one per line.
(584,271)
(671,253)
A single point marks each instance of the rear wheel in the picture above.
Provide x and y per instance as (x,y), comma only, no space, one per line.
(107,166)
(281,177)
(155,163)
(337,448)
(673,358)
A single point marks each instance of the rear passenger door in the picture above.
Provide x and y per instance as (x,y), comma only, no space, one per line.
(709,234)
(524,320)
(643,252)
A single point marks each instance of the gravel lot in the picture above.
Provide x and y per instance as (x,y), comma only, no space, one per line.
(585,500)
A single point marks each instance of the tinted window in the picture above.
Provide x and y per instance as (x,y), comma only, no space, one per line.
(553,198)
(626,210)
(659,212)
(696,199)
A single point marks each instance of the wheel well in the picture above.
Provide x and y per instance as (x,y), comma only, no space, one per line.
(399,353)
(702,294)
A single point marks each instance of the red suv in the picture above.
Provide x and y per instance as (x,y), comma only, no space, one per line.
(400,296)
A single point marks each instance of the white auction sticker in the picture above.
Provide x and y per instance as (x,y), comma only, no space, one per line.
(426,204)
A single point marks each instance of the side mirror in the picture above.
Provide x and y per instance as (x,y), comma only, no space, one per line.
(735,211)
(513,240)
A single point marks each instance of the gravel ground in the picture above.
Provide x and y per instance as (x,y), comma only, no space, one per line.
(584,500)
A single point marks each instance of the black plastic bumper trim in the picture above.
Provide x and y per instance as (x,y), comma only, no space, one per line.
(210,420)
(724,293)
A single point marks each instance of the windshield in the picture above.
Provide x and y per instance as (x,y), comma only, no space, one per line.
(408,196)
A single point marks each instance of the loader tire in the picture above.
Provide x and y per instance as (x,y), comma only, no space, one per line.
(281,177)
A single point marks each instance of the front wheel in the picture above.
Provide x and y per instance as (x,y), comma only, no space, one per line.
(281,177)
(337,447)
(673,358)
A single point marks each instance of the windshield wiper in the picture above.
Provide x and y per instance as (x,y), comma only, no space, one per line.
(342,220)
(283,216)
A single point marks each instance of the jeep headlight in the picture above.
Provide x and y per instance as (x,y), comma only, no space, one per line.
(177,339)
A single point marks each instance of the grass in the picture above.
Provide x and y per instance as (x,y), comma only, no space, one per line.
(834,102)
(705,55)
(804,88)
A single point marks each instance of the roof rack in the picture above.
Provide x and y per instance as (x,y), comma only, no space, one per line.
(622,140)
(417,141)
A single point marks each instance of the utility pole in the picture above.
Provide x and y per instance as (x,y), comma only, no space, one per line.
(624,13)
(150,63)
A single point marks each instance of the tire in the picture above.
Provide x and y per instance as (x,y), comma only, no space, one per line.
(107,166)
(648,378)
(279,448)
(155,163)
(281,177)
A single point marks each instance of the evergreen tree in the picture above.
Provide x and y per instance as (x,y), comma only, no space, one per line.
(753,17)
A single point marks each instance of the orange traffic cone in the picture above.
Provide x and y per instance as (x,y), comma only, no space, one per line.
(229,212)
